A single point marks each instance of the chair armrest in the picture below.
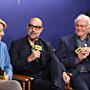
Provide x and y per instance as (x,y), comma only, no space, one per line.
(22,77)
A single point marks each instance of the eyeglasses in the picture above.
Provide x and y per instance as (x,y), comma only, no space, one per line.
(30,26)
(82,26)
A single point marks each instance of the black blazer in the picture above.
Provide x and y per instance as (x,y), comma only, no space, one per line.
(20,50)
(66,54)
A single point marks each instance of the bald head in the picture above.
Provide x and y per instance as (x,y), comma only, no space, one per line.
(36,21)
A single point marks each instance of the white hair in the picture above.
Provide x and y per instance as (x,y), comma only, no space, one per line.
(82,16)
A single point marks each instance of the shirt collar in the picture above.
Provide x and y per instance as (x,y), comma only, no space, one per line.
(87,37)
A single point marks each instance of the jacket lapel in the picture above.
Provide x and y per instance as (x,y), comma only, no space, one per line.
(88,43)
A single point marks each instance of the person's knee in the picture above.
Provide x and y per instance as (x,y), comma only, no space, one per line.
(10,85)
(16,85)
(58,88)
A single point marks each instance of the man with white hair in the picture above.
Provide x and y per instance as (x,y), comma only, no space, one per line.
(74,52)
(89,25)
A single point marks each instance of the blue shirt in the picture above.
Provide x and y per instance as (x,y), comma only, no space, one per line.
(5,60)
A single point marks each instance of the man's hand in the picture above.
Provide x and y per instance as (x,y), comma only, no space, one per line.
(35,54)
(85,50)
(84,53)
(6,77)
(66,77)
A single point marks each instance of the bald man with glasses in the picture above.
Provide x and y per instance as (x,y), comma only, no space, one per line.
(30,56)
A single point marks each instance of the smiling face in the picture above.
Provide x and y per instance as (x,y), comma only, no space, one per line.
(34,28)
(81,28)
(1,31)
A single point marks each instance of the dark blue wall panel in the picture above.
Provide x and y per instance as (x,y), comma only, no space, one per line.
(57,16)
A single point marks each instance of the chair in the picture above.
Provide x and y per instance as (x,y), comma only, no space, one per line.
(26,79)
(23,79)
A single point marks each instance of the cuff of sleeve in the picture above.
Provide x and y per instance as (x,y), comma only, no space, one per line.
(76,61)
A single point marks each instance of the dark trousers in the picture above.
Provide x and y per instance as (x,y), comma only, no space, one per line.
(58,88)
(40,84)
(81,81)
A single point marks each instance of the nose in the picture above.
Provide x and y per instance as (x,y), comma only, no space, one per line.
(33,29)
(79,27)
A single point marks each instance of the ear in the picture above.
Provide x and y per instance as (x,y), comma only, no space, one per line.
(27,27)
(89,29)
(42,28)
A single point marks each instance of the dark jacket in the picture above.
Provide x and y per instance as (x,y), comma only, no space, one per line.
(21,49)
(66,54)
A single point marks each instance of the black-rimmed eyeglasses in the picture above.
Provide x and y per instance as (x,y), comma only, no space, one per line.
(30,26)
